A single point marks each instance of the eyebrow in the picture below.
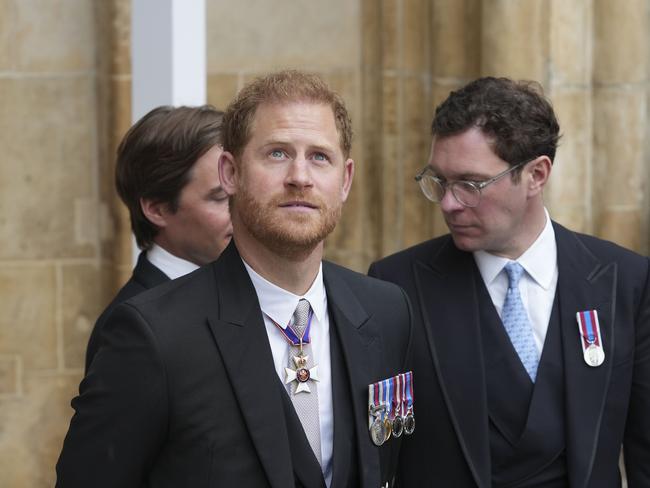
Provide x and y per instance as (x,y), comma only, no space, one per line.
(461,176)
(216,191)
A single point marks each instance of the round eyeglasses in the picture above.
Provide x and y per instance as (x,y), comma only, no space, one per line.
(467,193)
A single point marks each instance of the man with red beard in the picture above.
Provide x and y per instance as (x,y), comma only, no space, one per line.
(254,370)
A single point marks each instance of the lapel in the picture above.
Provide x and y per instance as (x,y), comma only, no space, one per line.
(584,283)
(238,329)
(448,300)
(361,353)
(147,274)
(343,449)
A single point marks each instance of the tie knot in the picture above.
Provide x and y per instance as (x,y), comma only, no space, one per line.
(301,315)
(514,271)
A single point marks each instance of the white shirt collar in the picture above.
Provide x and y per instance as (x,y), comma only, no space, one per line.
(279,304)
(173,266)
(539,260)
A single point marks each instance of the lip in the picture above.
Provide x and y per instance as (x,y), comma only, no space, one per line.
(298,204)
(459,227)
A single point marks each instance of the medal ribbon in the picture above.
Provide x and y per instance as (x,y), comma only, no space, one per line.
(387,397)
(589,328)
(398,394)
(409,390)
(291,336)
(403,384)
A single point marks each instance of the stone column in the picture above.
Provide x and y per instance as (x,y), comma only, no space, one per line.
(620,97)
(455,60)
(568,194)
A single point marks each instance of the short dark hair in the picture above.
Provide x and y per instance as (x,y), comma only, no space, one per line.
(156,156)
(514,115)
(281,86)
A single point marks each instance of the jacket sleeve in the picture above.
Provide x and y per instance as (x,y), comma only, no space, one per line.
(636,447)
(120,414)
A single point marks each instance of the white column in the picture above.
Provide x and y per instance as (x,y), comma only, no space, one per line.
(168,56)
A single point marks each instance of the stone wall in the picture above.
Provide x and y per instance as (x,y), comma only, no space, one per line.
(65,99)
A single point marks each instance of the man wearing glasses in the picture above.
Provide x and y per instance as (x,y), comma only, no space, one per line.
(532,342)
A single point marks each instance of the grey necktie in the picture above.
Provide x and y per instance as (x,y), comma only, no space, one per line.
(304,402)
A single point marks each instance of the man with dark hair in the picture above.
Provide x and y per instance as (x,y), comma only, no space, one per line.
(531,342)
(253,371)
(168,177)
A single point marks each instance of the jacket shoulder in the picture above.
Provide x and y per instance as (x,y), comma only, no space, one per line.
(396,263)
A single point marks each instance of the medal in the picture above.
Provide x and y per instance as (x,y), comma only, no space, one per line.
(590,338)
(594,355)
(398,421)
(378,432)
(375,423)
(388,426)
(409,420)
(301,374)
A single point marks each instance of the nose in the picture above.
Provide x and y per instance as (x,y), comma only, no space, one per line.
(298,174)
(449,203)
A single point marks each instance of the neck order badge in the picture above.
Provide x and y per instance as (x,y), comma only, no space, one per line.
(298,336)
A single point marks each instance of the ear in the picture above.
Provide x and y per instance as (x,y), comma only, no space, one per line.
(155,212)
(228,175)
(348,175)
(537,173)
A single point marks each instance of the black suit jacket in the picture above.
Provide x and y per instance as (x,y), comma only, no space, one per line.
(185,393)
(605,406)
(145,275)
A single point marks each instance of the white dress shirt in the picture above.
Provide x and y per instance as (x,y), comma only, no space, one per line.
(537,285)
(278,305)
(173,266)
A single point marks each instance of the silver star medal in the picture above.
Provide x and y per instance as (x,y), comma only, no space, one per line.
(301,374)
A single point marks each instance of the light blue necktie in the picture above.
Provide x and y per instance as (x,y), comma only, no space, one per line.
(515,320)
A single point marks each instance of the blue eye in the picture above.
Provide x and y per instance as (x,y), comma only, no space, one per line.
(320,157)
(277,153)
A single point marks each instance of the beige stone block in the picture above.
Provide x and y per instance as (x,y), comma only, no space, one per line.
(263,35)
(620,118)
(346,85)
(390,33)
(124,240)
(389,116)
(571,41)
(33,428)
(348,233)
(574,217)
(391,198)
(54,35)
(221,90)
(120,23)
(621,227)
(455,38)
(28,315)
(570,180)
(414,156)
(515,39)
(621,41)
(84,294)
(7,24)
(10,375)
(121,110)
(414,52)
(371,35)
(52,155)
